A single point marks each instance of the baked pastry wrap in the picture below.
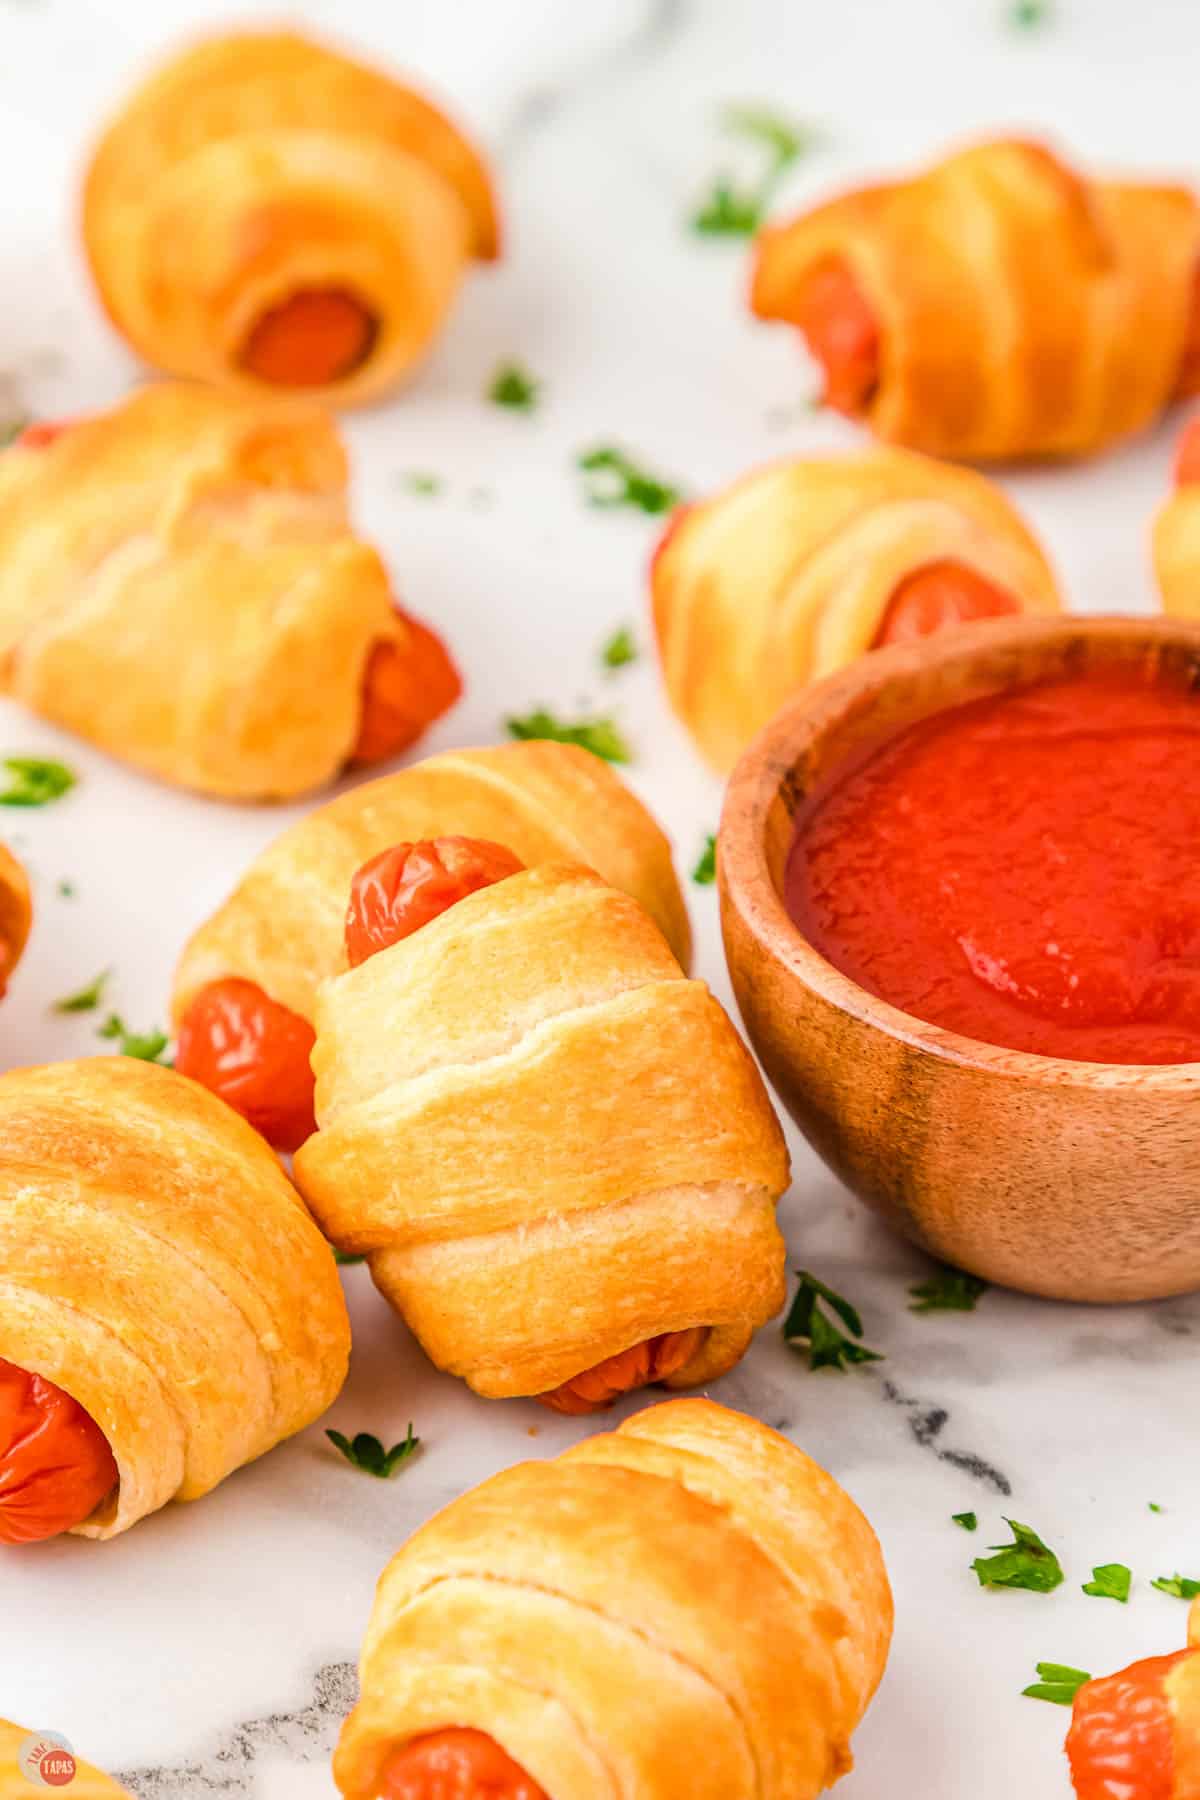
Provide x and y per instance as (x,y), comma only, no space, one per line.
(686,1600)
(282,927)
(789,573)
(265,210)
(181,585)
(549,1144)
(158,1267)
(1005,305)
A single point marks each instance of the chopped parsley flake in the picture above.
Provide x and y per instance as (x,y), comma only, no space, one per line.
(807,1329)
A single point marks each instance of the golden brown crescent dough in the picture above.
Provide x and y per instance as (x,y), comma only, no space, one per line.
(282,926)
(158,1266)
(16,914)
(787,574)
(86,1783)
(262,171)
(550,1144)
(688,1593)
(180,583)
(1021,309)
(1176,537)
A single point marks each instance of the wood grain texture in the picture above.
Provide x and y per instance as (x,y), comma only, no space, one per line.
(690,1591)
(1023,309)
(786,575)
(1079,1181)
(259,164)
(157,1264)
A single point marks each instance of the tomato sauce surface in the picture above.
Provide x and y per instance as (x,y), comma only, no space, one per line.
(1023,870)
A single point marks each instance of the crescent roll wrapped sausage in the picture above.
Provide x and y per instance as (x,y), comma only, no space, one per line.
(266,212)
(1137,1733)
(552,1147)
(180,583)
(996,305)
(804,564)
(18,1745)
(168,1309)
(246,987)
(16,914)
(686,1605)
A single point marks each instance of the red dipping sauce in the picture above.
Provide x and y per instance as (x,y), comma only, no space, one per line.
(1023,870)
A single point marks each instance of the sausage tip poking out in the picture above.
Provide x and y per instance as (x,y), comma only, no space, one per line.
(455,1764)
(942,594)
(1121,1742)
(842,334)
(403,888)
(252,1053)
(56,1465)
(315,337)
(595,1389)
(1187,457)
(406,688)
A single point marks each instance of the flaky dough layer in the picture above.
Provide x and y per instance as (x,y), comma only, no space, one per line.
(157,1264)
(787,574)
(1023,309)
(691,1586)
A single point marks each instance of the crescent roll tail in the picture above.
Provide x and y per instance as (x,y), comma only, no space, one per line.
(16,914)
(158,1269)
(282,925)
(180,584)
(268,213)
(806,563)
(996,305)
(549,1143)
(689,1586)
(19,1747)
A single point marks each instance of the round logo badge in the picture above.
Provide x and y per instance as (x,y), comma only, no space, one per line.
(47,1760)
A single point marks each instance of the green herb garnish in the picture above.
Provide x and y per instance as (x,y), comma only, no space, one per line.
(1110,1581)
(422,484)
(87,999)
(146,1046)
(1058,1683)
(1027,15)
(969,1521)
(601,736)
(1181,1586)
(807,1327)
(66,890)
(1025,1563)
(1154,1508)
(347,1257)
(620,650)
(368,1454)
(705,871)
(514,387)
(949,1290)
(615,480)
(36,781)
(729,211)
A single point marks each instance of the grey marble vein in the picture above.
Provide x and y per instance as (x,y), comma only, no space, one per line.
(926,1424)
(228,1773)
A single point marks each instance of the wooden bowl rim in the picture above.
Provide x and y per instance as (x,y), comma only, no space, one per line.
(745,878)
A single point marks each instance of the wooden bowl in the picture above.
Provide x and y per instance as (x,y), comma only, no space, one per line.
(1079,1181)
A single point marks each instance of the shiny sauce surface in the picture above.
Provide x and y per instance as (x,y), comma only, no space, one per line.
(1023,869)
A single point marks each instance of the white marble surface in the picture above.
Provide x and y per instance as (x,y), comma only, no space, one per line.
(206,1653)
